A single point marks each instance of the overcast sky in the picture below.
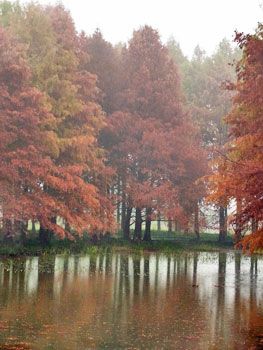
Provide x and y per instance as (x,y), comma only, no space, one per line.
(191,22)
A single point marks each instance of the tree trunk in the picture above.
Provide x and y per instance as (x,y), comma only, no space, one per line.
(159,223)
(8,230)
(138,225)
(123,216)
(126,229)
(238,230)
(170,228)
(147,232)
(1,218)
(118,204)
(254,225)
(23,229)
(44,236)
(123,210)
(196,221)
(34,231)
(222,224)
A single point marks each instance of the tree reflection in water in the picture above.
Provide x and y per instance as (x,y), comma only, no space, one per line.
(193,301)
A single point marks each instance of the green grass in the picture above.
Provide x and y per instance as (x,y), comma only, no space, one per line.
(176,243)
(181,243)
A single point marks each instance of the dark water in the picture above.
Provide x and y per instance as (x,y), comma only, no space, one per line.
(193,301)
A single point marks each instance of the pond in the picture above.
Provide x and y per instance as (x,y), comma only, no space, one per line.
(124,301)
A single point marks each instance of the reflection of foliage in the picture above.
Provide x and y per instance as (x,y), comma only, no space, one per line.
(122,299)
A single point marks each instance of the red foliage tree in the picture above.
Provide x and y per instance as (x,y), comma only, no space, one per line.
(152,142)
(240,174)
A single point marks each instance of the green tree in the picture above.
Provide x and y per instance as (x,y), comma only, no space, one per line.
(204,79)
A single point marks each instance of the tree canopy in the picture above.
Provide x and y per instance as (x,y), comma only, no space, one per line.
(103,137)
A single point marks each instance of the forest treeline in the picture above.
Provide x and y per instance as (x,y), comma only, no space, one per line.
(102,137)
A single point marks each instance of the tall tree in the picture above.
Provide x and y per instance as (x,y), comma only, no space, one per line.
(240,171)
(58,61)
(32,184)
(105,63)
(203,80)
(151,134)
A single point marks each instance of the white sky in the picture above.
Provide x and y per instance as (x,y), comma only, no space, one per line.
(191,22)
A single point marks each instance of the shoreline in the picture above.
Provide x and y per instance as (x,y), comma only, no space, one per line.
(33,248)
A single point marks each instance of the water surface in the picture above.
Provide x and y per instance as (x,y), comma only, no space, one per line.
(119,301)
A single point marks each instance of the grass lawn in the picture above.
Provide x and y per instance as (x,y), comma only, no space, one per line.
(161,242)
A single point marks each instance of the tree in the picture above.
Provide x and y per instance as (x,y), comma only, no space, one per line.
(105,63)
(57,61)
(33,186)
(203,80)
(7,11)
(241,172)
(149,137)
(177,54)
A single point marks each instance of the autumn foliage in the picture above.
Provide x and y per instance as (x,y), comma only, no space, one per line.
(49,133)
(240,172)
(95,137)
(151,140)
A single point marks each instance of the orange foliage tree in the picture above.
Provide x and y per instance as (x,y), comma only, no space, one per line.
(44,155)
(240,173)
